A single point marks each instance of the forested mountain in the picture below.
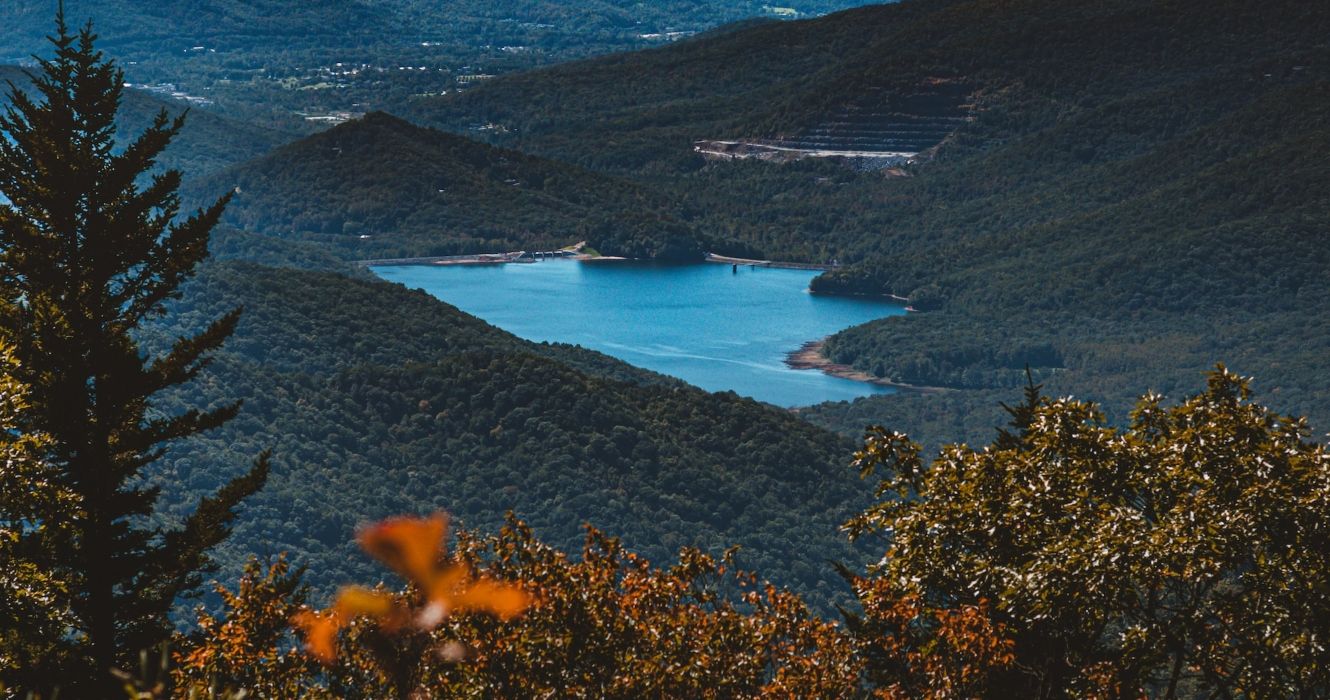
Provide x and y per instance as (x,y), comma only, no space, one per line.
(377,400)
(632,108)
(1138,193)
(380,187)
(644,110)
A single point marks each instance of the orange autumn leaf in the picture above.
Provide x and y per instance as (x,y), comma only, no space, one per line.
(355,600)
(409,546)
(413,547)
(502,600)
(453,589)
(320,633)
(442,586)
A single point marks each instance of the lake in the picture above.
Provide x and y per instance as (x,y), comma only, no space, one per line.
(702,323)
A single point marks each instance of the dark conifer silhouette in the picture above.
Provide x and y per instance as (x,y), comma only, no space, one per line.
(90,249)
(1022,415)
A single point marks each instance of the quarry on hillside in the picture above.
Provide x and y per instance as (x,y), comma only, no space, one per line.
(881,130)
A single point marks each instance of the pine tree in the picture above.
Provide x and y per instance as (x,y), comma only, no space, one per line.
(91,247)
(1013,437)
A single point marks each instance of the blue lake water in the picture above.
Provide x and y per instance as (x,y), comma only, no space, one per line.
(702,323)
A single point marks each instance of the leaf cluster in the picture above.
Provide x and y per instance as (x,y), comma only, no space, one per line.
(1184,551)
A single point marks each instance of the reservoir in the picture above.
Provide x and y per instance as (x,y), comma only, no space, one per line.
(712,327)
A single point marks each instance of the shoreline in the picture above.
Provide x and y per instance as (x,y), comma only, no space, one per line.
(575,253)
(727,260)
(868,295)
(810,356)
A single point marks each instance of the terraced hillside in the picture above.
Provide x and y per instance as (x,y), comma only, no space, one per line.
(880,128)
(887,121)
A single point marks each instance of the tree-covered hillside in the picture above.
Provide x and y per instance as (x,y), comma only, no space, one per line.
(643,110)
(1123,221)
(380,187)
(1140,190)
(377,400)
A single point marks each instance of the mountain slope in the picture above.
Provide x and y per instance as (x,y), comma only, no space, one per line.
(377,400)
(1139,191)
(645,109)
(783,76)
(380,187)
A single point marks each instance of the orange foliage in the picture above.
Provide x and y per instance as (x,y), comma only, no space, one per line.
(415,549)
(926,652)
(609,625)
(246,648)
(410,546)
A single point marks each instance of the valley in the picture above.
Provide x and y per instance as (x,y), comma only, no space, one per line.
(1042,230)
(699,274)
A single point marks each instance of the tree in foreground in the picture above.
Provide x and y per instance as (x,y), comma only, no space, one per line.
(1185,555)
(90,249)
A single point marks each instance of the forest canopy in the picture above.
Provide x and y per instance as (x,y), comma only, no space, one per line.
(1183,555)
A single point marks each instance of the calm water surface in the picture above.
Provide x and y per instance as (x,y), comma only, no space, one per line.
(702,323)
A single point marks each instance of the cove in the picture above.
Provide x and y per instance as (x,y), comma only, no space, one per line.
(714,328)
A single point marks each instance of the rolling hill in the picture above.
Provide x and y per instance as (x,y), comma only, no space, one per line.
(644,110)
(378,400)
(380,187)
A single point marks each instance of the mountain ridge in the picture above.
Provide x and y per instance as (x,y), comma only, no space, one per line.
(380,187)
